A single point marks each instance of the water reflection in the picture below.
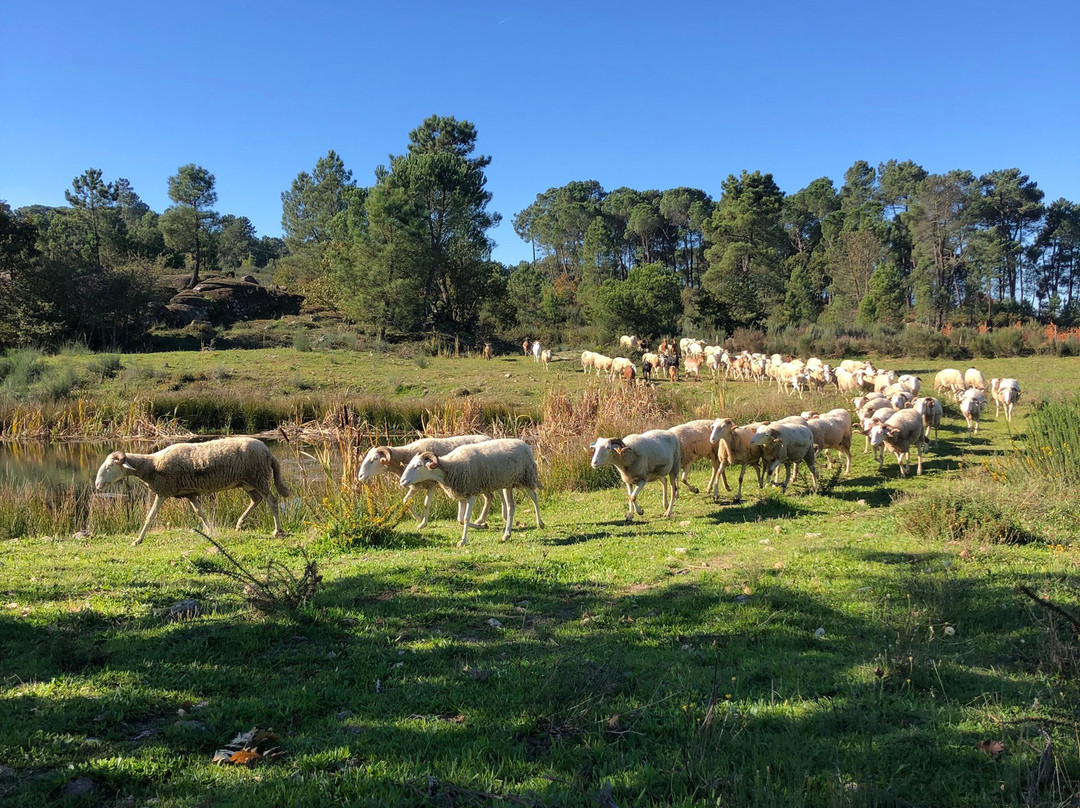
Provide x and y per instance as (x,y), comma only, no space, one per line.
(70,464)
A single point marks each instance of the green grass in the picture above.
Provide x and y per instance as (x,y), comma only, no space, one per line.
(789,650)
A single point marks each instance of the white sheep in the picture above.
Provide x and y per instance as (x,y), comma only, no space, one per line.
(393,459)
(695,443)
(832,431)
(602,363)
(973,377)
(912,383)
(628,342)
(1006,393)
(641,458)
(949,380)
(972,402)
(733,448)
(788,443)
(189,470)
(536,351)
(480,468)
(587,359)
(931,410)
(545,357)
(902,431)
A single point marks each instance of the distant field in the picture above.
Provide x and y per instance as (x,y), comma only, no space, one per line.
(790,650)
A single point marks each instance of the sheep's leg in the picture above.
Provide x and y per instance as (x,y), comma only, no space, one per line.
(481,520)
(633,491)
(787,476)
(812,468)
(272,503)
(536,506)
(465,527)
(256,498)
(918,451)
(508,511)
(154,508)
(847,467)
(674,493)
(427,505)
(687,483)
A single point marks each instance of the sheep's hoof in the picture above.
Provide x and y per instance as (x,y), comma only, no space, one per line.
(482,525)
(540,524)
(280,534)
(421,524)
(505,537)
(461,543)
(136,543)
(694,490)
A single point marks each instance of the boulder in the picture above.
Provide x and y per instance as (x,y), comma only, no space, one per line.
(224,301)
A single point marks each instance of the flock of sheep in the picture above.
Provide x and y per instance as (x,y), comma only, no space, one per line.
(888,409)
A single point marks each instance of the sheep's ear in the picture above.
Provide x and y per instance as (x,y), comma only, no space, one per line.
(592,445)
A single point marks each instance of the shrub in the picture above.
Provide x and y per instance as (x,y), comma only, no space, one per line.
(962,512)
(302,340)
(105,366)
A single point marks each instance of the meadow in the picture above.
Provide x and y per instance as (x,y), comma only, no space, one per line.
(886,642)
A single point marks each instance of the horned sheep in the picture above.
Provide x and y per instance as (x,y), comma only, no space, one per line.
(480,468)
(902,431)
(641,458)
(189,470)
(931,410)
(393,460)
(949,380)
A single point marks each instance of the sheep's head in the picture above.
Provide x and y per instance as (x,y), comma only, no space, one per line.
(376,461)
(115,467)
(604,450)
(720,427)
(877,434)
(765,436)
(419,469)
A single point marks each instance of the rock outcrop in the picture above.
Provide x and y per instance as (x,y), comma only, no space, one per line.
(223,301)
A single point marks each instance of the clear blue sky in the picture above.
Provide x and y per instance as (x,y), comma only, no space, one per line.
(646,95)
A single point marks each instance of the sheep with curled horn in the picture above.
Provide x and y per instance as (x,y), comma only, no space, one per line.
(190,470)
(393,459)
(480,468)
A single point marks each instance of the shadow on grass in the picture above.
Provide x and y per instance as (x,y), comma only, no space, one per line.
(373,691)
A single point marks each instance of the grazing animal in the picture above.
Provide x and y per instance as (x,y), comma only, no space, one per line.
(641,458)
(1006,393)
(786,443)
(695,444)
(487,350)
(526,346)
(949,380)
(480,468)
(536,351)
(189,470)
(393,459)
(931,410)
(902,431)
(972,402)
(587,358)
(545,357)
(628,342)
(734,448)
(973,378)
(832,431)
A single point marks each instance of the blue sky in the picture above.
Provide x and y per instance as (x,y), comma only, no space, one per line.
(645,95)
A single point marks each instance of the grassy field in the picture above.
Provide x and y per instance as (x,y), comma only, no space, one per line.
(866,646)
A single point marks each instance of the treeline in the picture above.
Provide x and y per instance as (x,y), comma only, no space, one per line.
(100,269)
(893,246)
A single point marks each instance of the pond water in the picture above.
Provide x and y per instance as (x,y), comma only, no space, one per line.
(71,464)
